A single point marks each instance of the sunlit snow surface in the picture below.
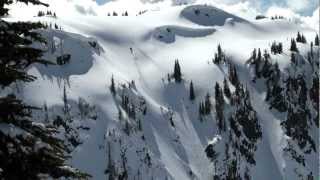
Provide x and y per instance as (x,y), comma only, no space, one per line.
(157,38)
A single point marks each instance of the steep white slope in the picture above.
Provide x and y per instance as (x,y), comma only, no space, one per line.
(169,140)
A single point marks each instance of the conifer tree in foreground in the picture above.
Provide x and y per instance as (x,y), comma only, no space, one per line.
(32,152)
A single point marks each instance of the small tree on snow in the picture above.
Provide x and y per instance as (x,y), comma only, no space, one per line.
(112,86)
(65,101)
(316,40)
(226,88)
(293,46)
(192,95)
(177,72)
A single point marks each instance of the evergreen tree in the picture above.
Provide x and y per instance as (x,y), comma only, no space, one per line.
(258,63)
(266,65)
(311,49)
(201,109)
(254,54)
(314,97)
(111,170)
(207,104)
(112,86)
(316,40)
(303,39)
(293,46)
(35,149)
(219,57)
(65,101)
(233,75)
(299,37)
(244,121)
(226,88)
(274,48)
(280,48)
(247,174)
(298,115)
(219,107)
(275,94)
(177,72)
(192,95)
(293,59)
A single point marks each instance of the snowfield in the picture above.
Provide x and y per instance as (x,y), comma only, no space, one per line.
(163,138)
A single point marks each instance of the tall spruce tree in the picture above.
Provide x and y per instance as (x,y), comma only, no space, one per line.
(33,152)
(233,75)
(258,63)
(293,46)
(192,95)
(219,107)
(219,57)
(177,72)
(299,37)
(112,86)
(316,40)
(226,88)
(207,104)
(303,39)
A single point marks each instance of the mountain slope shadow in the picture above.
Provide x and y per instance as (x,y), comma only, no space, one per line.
(73,54)
(209,16)
(167,34)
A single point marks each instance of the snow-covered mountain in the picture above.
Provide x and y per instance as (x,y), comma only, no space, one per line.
(122,111)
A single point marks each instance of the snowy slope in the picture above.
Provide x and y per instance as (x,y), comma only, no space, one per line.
(166,139)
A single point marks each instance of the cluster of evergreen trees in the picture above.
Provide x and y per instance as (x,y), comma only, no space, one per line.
(298,114)
(219,105)
(130,108)
(293,46)
(301,38)
(177,75)
(290,93)
(220,56)
(48,13)
(114,172)
(21,156)
(205,106)
(233,75)
(244,120)
(276,17)
(133,107)
(142,12)
(243,133)
(276,48)
(116,14)
(260,63)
